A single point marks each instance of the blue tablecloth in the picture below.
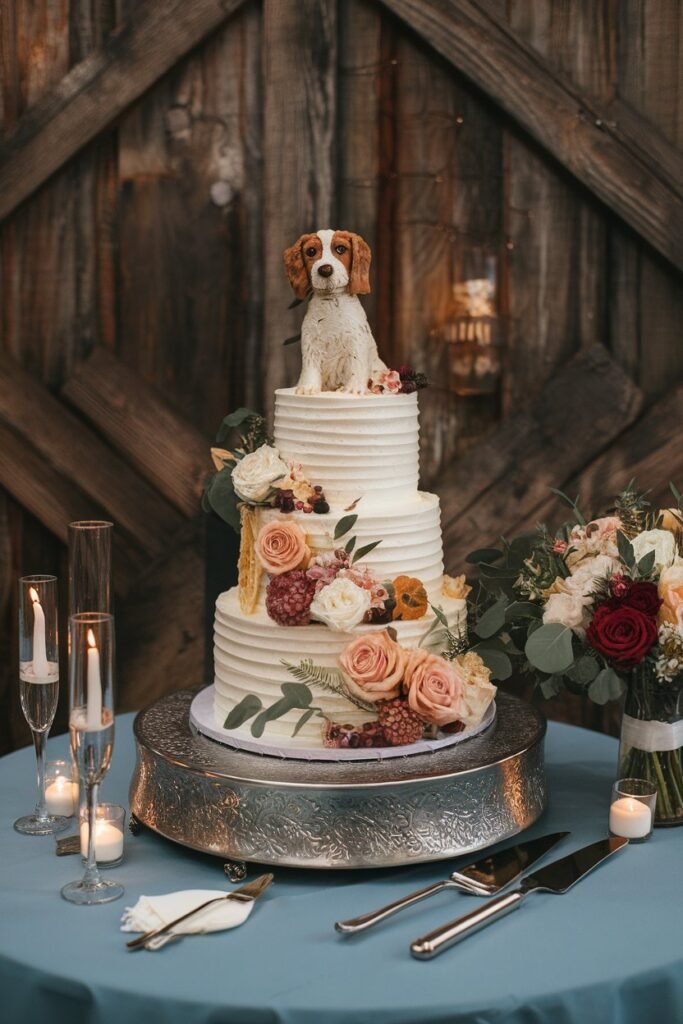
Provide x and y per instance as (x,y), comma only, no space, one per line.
(608,952)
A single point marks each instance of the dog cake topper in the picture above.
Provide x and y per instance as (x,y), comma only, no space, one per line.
(338,351)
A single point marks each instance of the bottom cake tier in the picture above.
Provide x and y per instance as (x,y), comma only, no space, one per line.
(251,655)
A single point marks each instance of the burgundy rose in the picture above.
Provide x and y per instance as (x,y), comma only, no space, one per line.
(643,596)
(622,633)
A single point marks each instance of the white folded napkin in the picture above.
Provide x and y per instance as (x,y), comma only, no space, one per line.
(154,911)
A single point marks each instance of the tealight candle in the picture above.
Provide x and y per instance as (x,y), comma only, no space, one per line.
(632,809)
(108,833)
(61,796)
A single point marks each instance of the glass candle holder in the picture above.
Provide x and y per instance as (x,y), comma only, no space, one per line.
(39,686)
(632,810)
(91,724)
(90,566)
(109,830)
(61,788)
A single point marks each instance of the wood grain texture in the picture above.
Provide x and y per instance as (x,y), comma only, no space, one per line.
(76,453)
(163,448)
(500,486)
(562,118)
(99,88)
(300,97)
(185,229)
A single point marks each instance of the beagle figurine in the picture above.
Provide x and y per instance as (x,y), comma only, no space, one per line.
(338,350)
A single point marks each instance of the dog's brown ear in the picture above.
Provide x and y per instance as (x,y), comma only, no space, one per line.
(296,267)
(359,279)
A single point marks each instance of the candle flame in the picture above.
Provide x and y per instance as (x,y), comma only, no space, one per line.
(33,594)
(91,639)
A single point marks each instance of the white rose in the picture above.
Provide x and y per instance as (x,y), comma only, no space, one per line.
(254,475)
(567,609)
(341,604)
(582,580)
(662,542)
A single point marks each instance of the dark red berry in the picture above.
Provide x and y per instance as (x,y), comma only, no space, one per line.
(321,507)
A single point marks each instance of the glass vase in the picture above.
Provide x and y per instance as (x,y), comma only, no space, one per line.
(651,743)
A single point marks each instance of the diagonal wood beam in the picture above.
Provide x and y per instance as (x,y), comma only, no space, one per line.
(98,89)
(615,153)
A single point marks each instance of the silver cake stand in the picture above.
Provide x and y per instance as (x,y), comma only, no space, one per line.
(249,807)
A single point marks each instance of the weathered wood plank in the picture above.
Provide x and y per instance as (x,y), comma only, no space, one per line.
(164,449)
(76,453)
(500,486)
(187,313)
(300,71)
(562,118)
(98,89)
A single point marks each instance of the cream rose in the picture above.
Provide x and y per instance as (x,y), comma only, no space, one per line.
(670,590)
(582,580)
(478,690)
(567,609)
(672,518)
(341,605)
(254,475)
(662,542)
(599,537)
(374,665)
(281,546)
(434,687)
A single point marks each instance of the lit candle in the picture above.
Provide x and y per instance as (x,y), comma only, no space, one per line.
(94,686)
(630,818)
(40,667)
(61,796)
(108,841)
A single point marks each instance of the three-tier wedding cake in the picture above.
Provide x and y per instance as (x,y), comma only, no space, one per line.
(343,632)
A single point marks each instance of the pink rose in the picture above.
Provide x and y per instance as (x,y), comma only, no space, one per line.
(281,547)
(387,381)
(434,687)
(374,664)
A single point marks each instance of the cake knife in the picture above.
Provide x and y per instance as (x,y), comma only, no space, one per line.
(557,878)
(484,877)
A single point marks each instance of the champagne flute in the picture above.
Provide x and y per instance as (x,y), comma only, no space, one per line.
(91,723)
(90,566)
(39,686)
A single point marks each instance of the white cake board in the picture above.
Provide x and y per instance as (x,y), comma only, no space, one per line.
(202,718)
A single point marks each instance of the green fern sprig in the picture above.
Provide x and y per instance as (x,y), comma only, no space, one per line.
(456,643)
(325,679)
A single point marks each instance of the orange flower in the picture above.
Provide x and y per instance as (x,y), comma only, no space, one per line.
(411,598)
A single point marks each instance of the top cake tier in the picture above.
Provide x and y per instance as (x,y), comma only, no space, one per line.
(352,445)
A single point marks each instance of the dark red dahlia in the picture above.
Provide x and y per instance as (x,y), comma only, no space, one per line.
(288,598)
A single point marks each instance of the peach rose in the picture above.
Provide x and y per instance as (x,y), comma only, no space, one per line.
(374,664)
(672,519)
(281,547)
(434,688)
(671,592)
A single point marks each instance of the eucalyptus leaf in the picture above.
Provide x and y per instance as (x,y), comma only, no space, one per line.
(584,670)
(350,545)
(523,610)
(440,615)
(676,493)
(294,303)
(549,648)
(276,710)
(492,620)
(345,524)
(220,495)
(292,340)
(626,549)
(487,555)
(298,694)
(551,686)
(646,564)
(243,711)
(302,721)
(362,552)
(235,419)
(606,686)
(497,661)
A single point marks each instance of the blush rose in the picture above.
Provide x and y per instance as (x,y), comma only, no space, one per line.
(281,547)
(374,664)
(434,688)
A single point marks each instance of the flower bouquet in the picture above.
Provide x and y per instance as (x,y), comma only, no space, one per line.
(597,608)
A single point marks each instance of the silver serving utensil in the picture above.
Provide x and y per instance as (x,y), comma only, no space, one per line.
(484,877)
(67,845)
(557,878)
(246,894)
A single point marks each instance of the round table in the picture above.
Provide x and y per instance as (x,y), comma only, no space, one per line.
(610,951)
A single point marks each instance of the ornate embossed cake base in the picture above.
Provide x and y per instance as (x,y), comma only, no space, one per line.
(249,807)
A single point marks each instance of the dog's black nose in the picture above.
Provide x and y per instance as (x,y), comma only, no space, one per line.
(326,270)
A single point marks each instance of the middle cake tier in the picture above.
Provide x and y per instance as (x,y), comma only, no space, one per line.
(409,530)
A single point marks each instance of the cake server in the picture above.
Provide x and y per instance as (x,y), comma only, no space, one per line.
(557,878)
(248,893)
(484,877)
